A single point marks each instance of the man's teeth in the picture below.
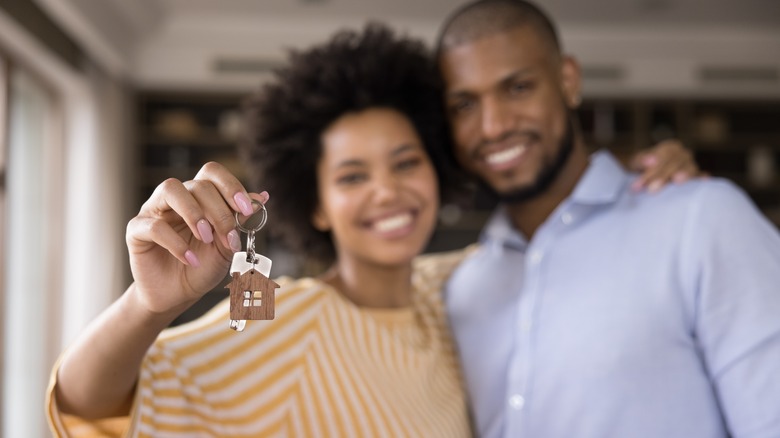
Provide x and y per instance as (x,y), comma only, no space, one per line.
(393,223)
(505,155)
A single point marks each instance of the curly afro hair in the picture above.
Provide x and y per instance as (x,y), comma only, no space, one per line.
(351,72)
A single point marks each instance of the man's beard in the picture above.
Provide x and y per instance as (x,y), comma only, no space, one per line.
(547,176)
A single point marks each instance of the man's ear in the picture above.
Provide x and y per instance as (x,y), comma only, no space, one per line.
(571,81)
(320,220)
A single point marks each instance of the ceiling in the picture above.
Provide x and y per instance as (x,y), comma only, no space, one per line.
(695,12)
(661,44)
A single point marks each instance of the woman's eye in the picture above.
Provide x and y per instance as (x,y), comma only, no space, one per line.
(351,178)
(408,164)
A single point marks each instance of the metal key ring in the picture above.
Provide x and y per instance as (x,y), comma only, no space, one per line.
(262,221)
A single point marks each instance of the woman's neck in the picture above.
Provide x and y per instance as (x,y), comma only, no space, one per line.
(372,286)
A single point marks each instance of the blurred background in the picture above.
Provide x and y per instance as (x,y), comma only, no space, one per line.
(101,100)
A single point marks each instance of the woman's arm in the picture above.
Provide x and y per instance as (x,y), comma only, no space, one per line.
(180,245)
(668,161)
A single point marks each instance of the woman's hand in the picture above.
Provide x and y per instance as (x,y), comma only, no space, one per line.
(668,161)
(182,241)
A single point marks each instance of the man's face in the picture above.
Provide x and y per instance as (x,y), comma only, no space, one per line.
(508,96)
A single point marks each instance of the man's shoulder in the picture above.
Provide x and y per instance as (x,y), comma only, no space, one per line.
(709,209)
(709,197)
(703,189)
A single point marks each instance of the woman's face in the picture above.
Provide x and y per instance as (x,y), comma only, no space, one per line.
(378,190)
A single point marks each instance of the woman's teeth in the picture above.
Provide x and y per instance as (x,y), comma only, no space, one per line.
(393,222)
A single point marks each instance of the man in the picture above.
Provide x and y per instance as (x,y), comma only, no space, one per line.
(588,309)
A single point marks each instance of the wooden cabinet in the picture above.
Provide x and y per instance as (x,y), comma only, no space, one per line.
(179,132)
(735,139)
(739,140)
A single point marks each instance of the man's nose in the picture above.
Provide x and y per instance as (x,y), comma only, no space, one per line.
(495,119)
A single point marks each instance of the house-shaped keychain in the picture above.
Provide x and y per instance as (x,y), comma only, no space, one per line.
(251,296)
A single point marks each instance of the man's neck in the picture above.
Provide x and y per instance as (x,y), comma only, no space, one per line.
(528,216)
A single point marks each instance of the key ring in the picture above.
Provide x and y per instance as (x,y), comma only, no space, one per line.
(251,256)
(257,228)
(251,291)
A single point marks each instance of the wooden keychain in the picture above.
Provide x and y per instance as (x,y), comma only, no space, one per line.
(252,293)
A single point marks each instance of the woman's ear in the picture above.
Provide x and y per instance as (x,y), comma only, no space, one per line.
(320,220)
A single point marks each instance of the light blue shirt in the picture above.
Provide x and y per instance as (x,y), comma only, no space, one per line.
(627,315)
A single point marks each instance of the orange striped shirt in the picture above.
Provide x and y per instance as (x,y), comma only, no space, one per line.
(323,367)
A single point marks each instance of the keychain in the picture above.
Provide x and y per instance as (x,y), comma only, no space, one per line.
(251,291)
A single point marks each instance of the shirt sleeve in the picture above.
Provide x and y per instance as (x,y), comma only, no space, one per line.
(64,425)
(737,324)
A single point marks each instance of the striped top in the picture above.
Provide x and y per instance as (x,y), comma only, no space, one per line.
(323,367)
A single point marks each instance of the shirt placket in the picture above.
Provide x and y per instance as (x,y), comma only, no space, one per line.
(519,395)
(521,368)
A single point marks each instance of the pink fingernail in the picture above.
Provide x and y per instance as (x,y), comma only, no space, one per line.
(192,259)
(244,203)
(650,160)
(265,196)
(234,241)
(205,231)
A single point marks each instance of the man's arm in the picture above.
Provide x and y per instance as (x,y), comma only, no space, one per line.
(735,273)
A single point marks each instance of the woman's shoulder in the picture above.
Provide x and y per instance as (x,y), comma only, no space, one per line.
(430,271)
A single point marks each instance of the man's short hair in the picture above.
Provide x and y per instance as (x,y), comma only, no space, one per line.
(483,18)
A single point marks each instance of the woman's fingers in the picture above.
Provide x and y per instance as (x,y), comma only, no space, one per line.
(172,196)
(206,205)
(228,185)
(218,213)
(667,162)
(158,231)
(229,190)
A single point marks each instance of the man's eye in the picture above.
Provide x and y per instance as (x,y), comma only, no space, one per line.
(520,87)
(461,106)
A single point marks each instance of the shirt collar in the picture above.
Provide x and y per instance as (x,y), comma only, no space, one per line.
(602,183)
(499,229)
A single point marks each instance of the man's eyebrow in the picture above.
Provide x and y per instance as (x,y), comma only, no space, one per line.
(517,74)
(514,75)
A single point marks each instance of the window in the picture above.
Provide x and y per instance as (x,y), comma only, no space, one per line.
(3,136)
(29,207)
(255,296)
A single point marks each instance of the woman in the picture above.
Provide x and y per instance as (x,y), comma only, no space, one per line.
(344,140)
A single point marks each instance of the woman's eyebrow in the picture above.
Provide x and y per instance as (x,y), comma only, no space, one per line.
(403,148)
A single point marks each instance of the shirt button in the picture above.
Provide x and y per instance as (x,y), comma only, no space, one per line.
(516,402)
(536,257)
(526,325)
(567,218)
